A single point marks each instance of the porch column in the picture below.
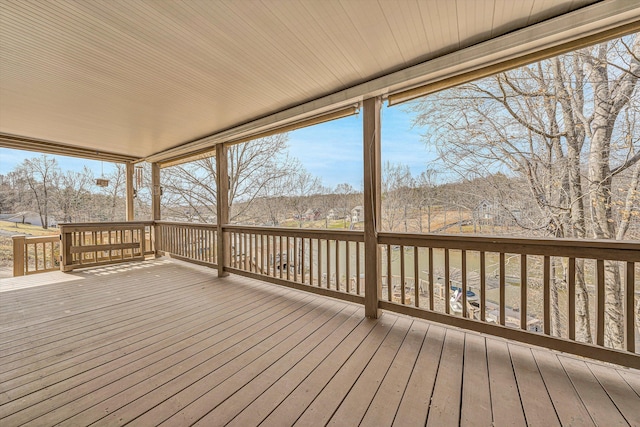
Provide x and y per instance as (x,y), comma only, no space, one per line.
(371,144)
(222,208)
(129,180)
(156,191)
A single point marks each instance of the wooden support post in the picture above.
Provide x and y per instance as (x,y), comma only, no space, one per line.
(18,255)
(156,192)
(65,249)
(371,148)
(129,181)
(222,208)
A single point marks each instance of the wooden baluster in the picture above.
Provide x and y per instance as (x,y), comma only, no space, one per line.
(296,261)
(246,251)
(431,279)
(319,263)
(402,290)
(302,259)
(328,263)
(572,298)
(389,274)
(311,261)
(35,251)
(210,236)
(358,268)
(463,278)
(629,313)
(600,295)
(95,242)
(269,255)
(347,265)
(546,284)
(80,253)
(262,253)
(281,255)
(253,251)
(337,264)
(287,261)
(523,292)
(503,286)
(416,277)
(447,281)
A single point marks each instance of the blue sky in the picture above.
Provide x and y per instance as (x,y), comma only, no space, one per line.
(9,159)
(332,150)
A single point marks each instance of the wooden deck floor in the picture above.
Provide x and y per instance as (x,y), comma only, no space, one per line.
(159,342)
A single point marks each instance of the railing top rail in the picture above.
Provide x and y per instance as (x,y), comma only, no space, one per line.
(104,224)
(357,236)
(187,224)
(577,248)
(39,239)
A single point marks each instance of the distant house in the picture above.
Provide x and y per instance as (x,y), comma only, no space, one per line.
(311,215)
(487,213)
(357,214)
(484,212)
(336,213)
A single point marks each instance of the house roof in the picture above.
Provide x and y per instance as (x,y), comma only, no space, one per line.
(137,78)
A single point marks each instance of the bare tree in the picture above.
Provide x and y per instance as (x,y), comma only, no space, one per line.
(255,169)
(396,195)
(303,187)
(73,194)
(566,127)
(345,194)
(40,174)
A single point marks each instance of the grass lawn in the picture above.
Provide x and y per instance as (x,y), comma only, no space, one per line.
(8,229)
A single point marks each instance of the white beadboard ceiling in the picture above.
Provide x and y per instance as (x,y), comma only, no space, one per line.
(138,77)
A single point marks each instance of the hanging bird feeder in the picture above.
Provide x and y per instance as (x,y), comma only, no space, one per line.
(102,182)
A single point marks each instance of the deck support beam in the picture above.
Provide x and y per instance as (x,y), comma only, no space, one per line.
(130,216)
(156,192)
(222,208)
(371,149)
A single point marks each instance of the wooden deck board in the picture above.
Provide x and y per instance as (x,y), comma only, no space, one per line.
(357,401)
(595,398)
(538,409)
(258,397)
(620,393)
(417,396)
(83,379)
(506,406)
(476,396)
(445,400)
(165,342)
(569,407)
(155,389)
(384,405)
(322,408)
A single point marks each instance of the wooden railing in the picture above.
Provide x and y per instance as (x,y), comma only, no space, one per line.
(529,290)
(522,289)
(320,261)
(188,241)
(35,254)
(94,244)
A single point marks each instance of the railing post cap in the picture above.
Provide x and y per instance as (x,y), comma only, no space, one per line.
(19,237)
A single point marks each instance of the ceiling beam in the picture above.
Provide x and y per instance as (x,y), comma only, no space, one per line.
(49,147)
